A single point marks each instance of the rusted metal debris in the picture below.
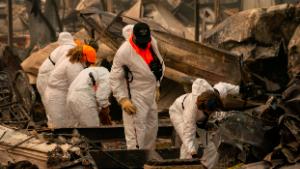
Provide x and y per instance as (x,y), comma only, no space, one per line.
(266,129)
(17,96)
(261,41)
(269,132)
(44,149)
(142,159)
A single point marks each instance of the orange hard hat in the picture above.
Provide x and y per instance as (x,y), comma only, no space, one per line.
(88,54)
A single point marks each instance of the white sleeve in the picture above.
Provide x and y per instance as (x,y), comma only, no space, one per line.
(72,71)
(189,134)
(227,88)
(103,89)
(117,76)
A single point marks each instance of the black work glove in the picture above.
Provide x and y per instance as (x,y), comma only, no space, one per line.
(246,89)
(156,68)
(199,153)
(202,124)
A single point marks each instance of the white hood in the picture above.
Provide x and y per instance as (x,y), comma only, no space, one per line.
(65,38)
(127,31)
(199,86)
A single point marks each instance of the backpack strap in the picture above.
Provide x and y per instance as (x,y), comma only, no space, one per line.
(49,57)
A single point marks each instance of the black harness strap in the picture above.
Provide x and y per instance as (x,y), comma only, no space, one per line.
(51,60)
(129,78)
(92,78)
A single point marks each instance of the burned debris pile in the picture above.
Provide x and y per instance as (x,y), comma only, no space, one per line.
(266,40)
(261,36)
(257,49)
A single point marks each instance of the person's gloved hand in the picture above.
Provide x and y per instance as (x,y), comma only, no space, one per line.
(127,106)
(248,90)
(157,96)
(201,124)
(104,116)
(198,154)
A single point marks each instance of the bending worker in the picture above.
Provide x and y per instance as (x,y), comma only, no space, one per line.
(89,94)
(196,106)
(135,77)
(66,42)
(62,76)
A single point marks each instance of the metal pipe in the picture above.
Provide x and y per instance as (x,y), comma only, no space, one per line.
(109,6)
(203,30)
(217,11)
(10,24)
(196,19)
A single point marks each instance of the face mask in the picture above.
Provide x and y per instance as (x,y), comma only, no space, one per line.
(141,45)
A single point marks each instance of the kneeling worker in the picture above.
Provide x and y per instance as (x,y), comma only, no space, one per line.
(197,106)
(89,94)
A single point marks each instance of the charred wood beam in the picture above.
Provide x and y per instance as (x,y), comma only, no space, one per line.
(10,24)
(103,35)
(103,4)
(197,20)
(37,12)
(109,5)
(217,11)
(20,40)
(177,76)
(203,30)
(198,60)
(55,6)
(49,25)
(136,158)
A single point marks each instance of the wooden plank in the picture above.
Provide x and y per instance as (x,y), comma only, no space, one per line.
(198,60)
(177,76)
(37,158)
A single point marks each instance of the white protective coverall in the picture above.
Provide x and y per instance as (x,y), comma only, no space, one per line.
(144,124)
(56,93)
(66,42)
(184,114)
(85,100)
(226,88)
(127,31)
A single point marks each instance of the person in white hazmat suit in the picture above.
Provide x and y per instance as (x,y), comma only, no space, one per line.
(197,106)
(135,76)
(66,42)
(127,31)
(89,94)
(60,79)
